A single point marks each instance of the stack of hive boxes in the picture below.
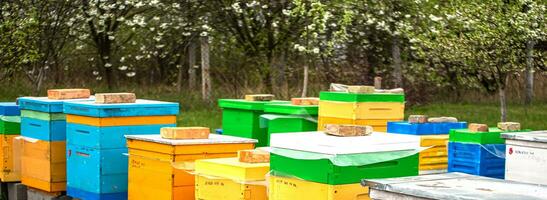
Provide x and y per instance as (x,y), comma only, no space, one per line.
(43,126)
(96,164)
(10,128)
(241,118)
(285,118)
(434,137)
(162,169)
(374,109)
(313,165)
(477,153)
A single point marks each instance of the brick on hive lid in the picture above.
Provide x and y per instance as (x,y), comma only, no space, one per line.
(361,89)
(259,97)
(59,94)
(180,133)
(442,119)
(509,126)
(305,101)
(474,127)
(417,119)
(347,130)
(108,98)
(253,156)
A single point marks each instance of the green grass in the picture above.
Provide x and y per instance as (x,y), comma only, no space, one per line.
(533,117)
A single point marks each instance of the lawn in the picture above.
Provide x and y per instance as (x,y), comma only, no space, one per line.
(533,117)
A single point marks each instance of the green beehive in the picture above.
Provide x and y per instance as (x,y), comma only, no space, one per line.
(10,125)
(466,136)
(321,158)
(241,118)
(286,118)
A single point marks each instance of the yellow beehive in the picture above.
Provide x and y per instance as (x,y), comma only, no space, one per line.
(283,188)
(378,125)
(436,156)
(163,168)
(227,178)
(363,110)
(43,165)
(10,163)
(121,121)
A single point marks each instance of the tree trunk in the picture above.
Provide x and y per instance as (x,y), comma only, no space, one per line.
(397,62)
(281,79)
(205,78)
(529,72)
(305,82)
(503,103)
(180,74)
(191,65)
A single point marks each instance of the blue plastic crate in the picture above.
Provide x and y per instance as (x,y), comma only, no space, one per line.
(139,108)
(43,130)
(218,131)
(9,109)
(43,104)
(424,128)
(82,194)
(96,170)
(483,160)
(107,137)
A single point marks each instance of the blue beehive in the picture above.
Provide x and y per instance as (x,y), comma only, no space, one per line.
(424,128)
(96,160)
(483,160)
(9,109)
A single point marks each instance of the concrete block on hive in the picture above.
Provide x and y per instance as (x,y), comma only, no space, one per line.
(417,119)
(107,98)
(361,89)
(68,93)
(509,126)
(185,132)
(259,97)
(305,101)
(17,191)
(347,130)
(474,127)
(442,119)
(253,156)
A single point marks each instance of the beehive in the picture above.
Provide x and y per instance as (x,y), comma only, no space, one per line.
(97,163)
(285,118)
(227,178)
(241,118)
(159,168)
(9,129)
(374,109)
(43,126)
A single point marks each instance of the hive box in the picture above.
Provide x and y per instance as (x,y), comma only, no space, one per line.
(526,154)
(227,178)
(477,159)
(11,171)
(43,165)
(493,136)
(424,128)
(378,125)
(241,118)
(284,188)
(343,160)
(159,168)
(10,125)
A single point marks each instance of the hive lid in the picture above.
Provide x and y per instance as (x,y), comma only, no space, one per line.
(533,136)
(44,104)
(9,109)
(349,97)
(213,139)
(319,142)
(141,107)
(247,105)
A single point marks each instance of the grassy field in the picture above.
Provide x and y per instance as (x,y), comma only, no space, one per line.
(533,117)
